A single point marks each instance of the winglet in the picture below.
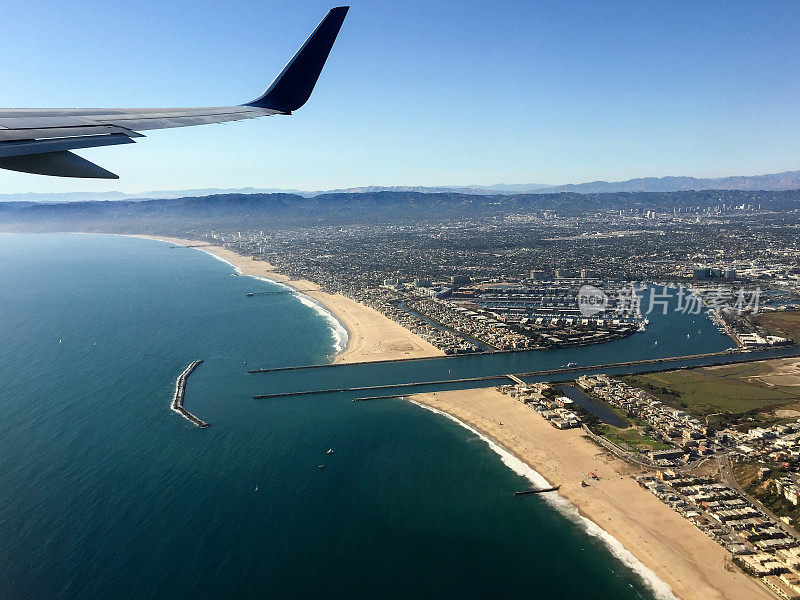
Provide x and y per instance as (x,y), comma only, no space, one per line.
(292,88)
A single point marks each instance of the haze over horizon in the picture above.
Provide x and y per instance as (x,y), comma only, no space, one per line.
(424,93)
(787,180)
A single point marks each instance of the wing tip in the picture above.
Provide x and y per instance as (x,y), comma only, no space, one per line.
(292,88)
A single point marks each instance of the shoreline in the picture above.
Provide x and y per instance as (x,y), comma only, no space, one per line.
(365,334)
(673,557)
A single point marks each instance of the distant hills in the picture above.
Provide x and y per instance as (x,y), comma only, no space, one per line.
(152,195)
(498,188)
(266,211)
(788,180)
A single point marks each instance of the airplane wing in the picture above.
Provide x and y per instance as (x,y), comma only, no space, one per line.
(40,140)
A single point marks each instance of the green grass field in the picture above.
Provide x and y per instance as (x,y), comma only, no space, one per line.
(727,389)
(784,323)
(630,439)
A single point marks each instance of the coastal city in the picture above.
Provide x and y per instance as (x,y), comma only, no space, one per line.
(737,482)
(463,301)
(729,466)
(514,283)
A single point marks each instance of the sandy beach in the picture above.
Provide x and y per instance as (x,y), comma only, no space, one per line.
(371,336)
(693,565)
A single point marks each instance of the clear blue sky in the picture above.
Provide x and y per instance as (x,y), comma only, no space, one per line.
(422,92)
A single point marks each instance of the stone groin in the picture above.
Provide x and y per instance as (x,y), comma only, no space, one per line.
(180,392)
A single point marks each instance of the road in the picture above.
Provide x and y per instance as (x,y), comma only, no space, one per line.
(726,474)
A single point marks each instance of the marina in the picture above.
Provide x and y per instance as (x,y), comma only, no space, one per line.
(277,447)
(180,392)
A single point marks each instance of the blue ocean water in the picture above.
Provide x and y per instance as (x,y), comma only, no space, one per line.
(104,492)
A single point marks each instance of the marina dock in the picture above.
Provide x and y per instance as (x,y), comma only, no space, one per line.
(180,392)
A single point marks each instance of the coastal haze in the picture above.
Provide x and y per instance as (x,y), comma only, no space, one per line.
(790,180)
(357,289)
(509,308)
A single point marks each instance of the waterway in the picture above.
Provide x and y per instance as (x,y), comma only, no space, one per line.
(601,410)
(107,493)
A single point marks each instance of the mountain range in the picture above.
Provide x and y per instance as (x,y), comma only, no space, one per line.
(788,180)
(267,211)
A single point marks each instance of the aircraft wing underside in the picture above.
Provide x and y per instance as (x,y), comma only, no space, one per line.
(41,140)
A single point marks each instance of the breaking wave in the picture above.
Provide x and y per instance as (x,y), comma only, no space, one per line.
(219,258)
(660,588)
(339,333)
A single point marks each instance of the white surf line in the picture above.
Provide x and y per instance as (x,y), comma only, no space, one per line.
(339,332)
(180,392)
(659,587)
(236,268)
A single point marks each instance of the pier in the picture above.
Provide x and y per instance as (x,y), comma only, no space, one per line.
(280,292)
(180,392)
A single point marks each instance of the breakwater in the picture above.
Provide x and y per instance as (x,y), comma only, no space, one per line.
(552,488)
(628,363)
(461,356)
(651,365)
(363,362)
(180,392)
(387,386)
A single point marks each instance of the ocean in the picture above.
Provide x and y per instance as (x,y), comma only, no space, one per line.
(104,492)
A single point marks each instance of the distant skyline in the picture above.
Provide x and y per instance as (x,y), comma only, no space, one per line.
(422,93)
